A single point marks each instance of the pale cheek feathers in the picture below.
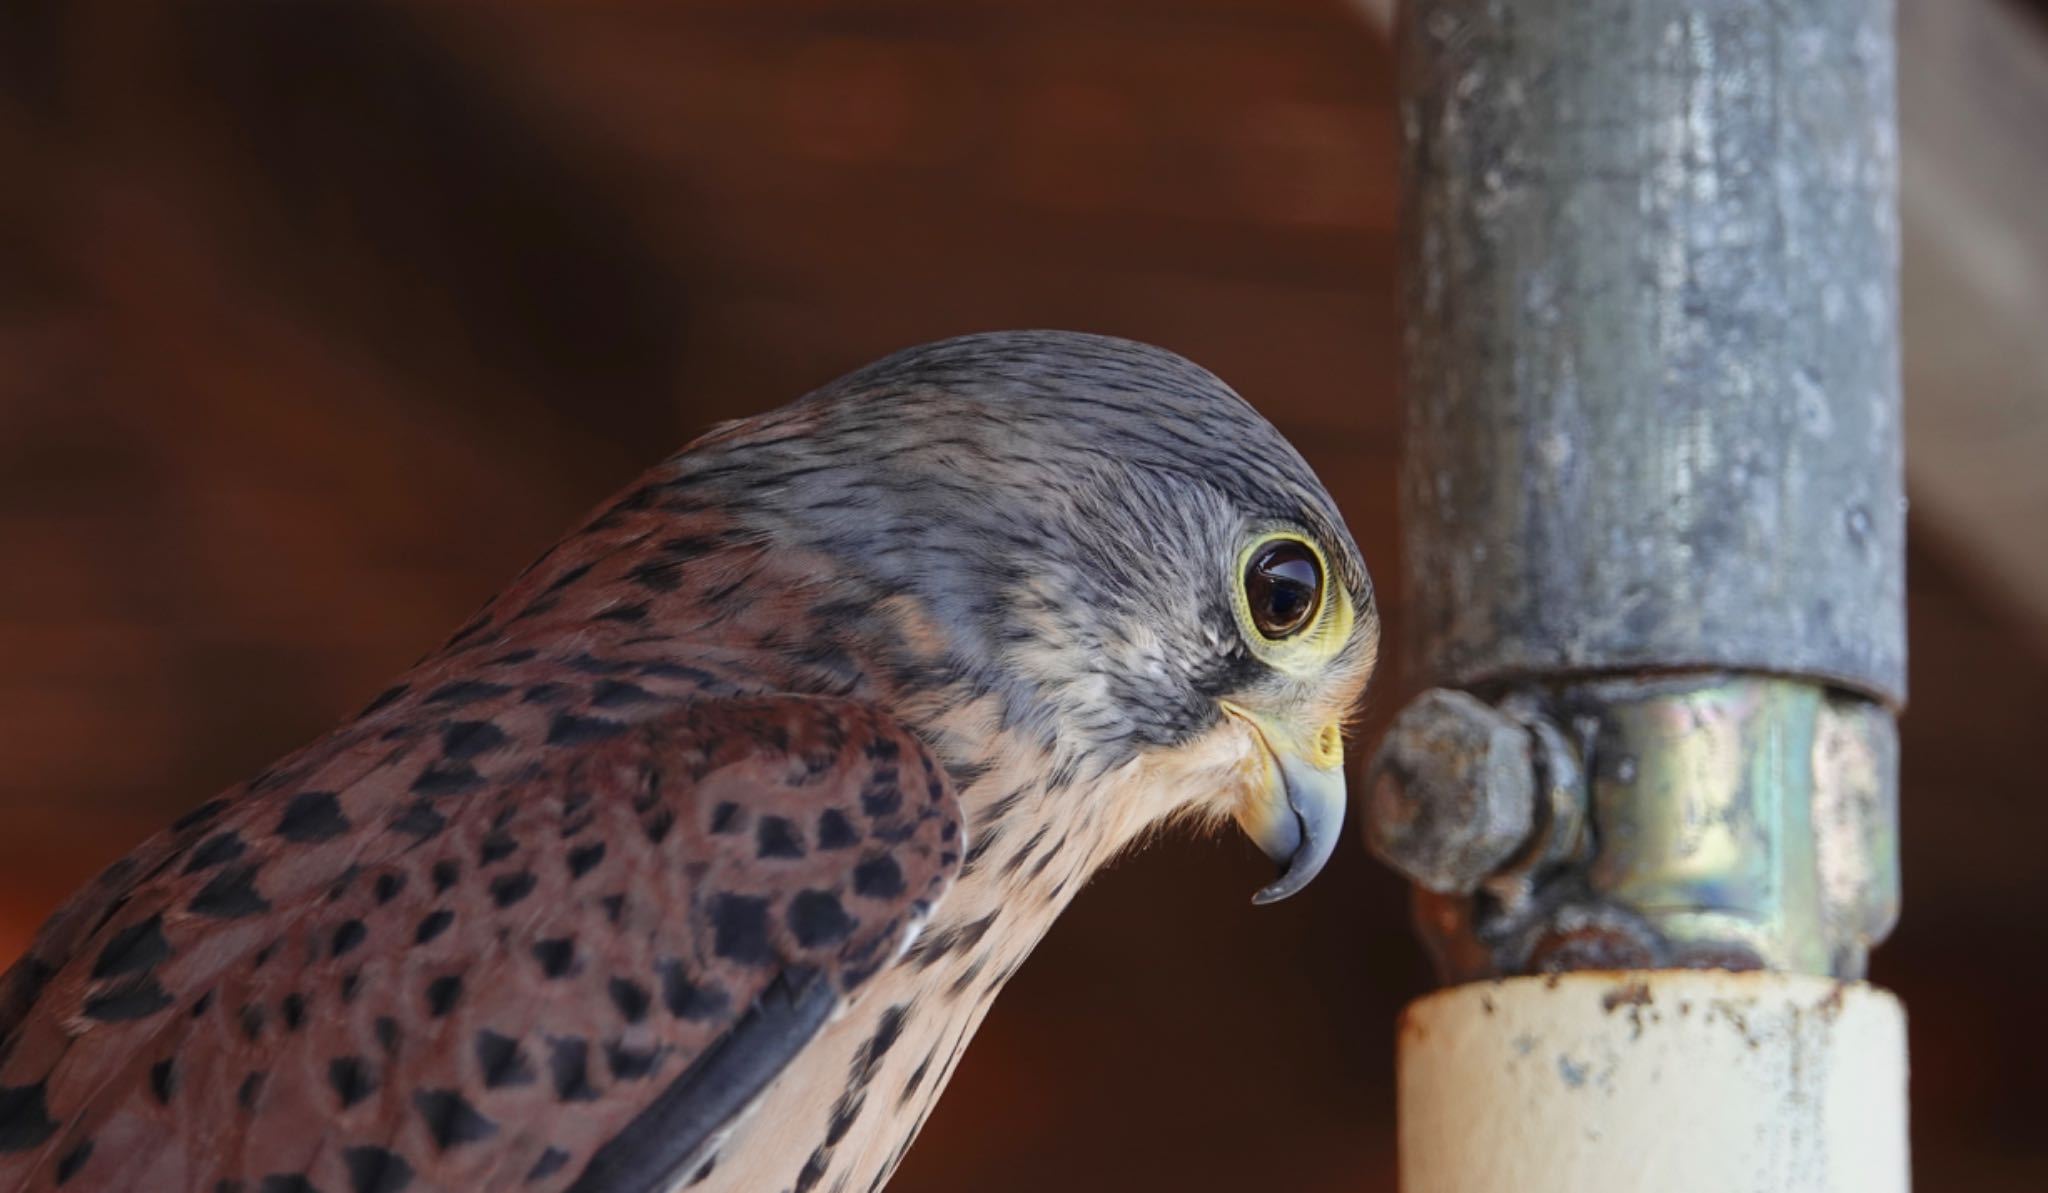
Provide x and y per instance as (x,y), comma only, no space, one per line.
(1207,778)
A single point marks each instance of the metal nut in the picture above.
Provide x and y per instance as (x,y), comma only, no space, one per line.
(1451,794)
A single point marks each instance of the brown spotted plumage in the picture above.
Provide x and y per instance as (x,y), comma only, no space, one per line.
(696,857)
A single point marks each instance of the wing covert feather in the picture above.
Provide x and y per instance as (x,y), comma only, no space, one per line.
(606,955)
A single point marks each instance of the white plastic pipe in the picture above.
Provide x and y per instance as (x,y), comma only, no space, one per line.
(1654,1082)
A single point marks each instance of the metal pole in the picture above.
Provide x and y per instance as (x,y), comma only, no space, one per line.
(1655,524)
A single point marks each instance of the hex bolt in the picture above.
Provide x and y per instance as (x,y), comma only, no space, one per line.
(1451,793)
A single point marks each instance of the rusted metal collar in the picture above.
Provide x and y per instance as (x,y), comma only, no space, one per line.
(1701,820)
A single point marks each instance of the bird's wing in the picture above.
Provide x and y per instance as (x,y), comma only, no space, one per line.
(570,980)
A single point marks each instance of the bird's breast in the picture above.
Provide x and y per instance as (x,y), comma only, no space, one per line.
(844,1113)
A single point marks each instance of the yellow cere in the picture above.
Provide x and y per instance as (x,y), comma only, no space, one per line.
(1328,751)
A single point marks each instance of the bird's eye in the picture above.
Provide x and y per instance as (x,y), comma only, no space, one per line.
(1283,585)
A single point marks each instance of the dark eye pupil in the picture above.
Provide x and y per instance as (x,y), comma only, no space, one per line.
(1282,584)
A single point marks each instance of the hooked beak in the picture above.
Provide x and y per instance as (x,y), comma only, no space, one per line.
(1296,810)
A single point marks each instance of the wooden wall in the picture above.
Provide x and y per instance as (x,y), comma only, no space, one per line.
(316,322)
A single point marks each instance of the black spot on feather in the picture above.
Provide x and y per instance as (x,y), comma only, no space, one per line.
(507,889)
(451,1121)
(24,1117)
(446,776)
(199,815)
(835,830)
(557,956)
(775,837)
(878,877)
(385,699)
(584,858)
(163,1080)
(312,817)
(618,693)
(435,923)
(463,692)
(217,850)
(420,820)
(138,948)
(569,1066)
(740,928)
(502,1061)
(375,1170)
(817,918)
(351,1079)
(467,739)
(442,994)
(73,1160)
(231,895)
(568,729)
(686,999)
(348,936)
(551,1161)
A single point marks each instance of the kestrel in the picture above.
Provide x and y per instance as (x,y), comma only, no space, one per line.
(696,857)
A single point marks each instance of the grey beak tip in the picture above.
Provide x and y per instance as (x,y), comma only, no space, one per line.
(1305,841)
(1289,883)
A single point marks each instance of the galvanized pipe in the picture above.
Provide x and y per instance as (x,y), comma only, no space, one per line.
(1653,487)
(1655,526)
(1652,365)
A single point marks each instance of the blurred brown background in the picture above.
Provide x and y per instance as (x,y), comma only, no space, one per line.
(317,322)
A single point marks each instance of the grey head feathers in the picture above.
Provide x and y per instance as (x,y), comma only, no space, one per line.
(1069,508)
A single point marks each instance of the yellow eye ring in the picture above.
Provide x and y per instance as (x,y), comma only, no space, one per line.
(1294,636)
(1282,586)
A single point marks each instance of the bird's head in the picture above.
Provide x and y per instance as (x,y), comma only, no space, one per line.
(1108,552)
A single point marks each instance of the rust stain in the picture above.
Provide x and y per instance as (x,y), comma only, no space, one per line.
(1410,1028)
(1830,1007)
(1635,995)
(1628,994)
